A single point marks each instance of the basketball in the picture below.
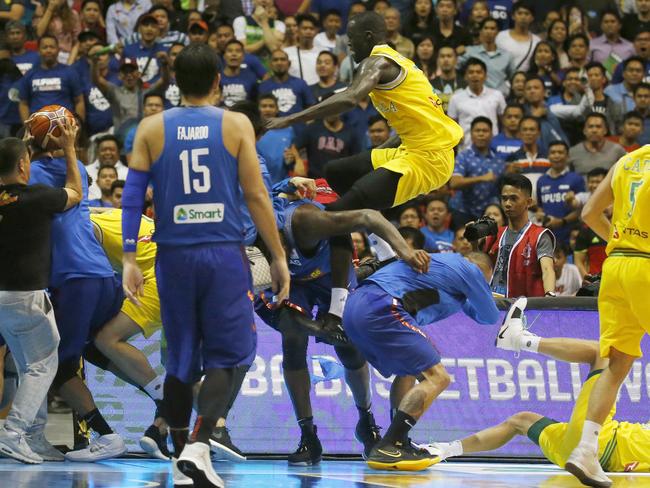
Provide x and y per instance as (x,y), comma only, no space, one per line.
(43,124)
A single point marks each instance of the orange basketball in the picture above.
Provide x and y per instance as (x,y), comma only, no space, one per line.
(44,123)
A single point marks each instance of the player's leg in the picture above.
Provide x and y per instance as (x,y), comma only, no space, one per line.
(3,354)
(398,390)
(342,173)
(220,440)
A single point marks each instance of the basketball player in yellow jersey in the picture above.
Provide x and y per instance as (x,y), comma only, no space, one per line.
(623,301)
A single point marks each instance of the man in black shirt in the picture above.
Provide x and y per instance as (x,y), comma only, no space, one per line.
(26,316)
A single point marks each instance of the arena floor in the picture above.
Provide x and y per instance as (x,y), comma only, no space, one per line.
(150,474)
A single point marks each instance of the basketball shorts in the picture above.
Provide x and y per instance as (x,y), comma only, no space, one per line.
(422,171)
(206,307)
(623,304)
(147,315)
(377,324)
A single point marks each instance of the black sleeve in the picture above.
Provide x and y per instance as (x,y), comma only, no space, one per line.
(49,200)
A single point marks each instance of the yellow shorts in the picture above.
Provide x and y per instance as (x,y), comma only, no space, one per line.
(623,304)
(558,439)
(146,316)
(422,171)
(632,449)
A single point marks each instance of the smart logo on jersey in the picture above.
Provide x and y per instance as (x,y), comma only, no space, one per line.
(202,213)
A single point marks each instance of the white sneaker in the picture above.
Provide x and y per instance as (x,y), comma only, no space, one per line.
(584,465)
(41,446)
(195,462)
(435,449)
(14,445)
(510,333)
(103,447)
(179,478)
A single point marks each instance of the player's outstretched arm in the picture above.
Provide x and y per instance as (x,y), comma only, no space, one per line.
(66,141)
(593,213)
(368,77)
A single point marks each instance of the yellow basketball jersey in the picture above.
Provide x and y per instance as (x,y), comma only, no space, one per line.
(631,217)
(412,108)
(110,225)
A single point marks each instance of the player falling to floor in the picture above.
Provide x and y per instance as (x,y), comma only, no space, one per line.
(622,302)
(623,446)
(196,157)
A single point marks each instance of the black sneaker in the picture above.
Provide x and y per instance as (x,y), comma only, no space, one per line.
(367,432)
(399,456)
(309,451)
(222,446)
(327,329)
(154,443)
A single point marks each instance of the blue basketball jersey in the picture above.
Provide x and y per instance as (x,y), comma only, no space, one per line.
(196,181)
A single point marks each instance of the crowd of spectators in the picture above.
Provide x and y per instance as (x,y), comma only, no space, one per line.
(556,91)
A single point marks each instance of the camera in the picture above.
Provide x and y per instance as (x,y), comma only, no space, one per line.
(483,227)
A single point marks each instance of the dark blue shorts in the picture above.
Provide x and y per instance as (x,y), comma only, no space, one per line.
(206,308)
(386,334)
(81,307)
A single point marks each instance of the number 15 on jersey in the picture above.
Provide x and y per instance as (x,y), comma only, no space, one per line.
(196,176)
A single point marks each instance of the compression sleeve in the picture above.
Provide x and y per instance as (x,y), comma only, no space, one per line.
(132,204)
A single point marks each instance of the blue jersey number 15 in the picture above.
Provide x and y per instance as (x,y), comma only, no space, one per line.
(197,177)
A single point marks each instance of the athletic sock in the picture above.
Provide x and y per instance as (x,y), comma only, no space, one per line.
(96,421)
(393,411)
(155,388)
(529,343)
(399,428)
(381,247)
(179,439)
(203,428)
(306,425)
(454,448)
(337,302)
(590,433)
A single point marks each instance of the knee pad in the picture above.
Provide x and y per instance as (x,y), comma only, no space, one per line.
(350,357)
(294,351)
(67,370)
(96,357)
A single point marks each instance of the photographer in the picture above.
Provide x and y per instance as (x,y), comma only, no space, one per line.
(522,252)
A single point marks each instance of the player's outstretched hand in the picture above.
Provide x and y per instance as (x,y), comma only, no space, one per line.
(418,260)
(133,282)
(280,279)
(67,139)
(277,123)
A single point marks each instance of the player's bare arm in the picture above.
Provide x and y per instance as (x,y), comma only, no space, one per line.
(372,72)
(593,213)
(66,141)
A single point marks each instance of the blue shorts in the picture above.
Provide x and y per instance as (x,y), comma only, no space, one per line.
(81,307)
(386,334)
(206,308)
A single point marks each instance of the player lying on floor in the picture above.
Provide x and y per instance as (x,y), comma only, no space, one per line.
(623,446)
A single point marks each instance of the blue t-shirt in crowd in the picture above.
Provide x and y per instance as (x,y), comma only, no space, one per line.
(504,146)
(357,118)
(501,10)
(323,145)
(238,88)
(9,114)
(99,116)
(293,95)
(254,64)
(551,194)
(271,146)
(343,6)
(75,251)
(146,59)
(26,60)
(58,85)
(172,94)
(438,241)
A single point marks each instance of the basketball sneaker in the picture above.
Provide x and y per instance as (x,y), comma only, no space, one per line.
(179,478)
(309,450)
(327,329)
(14,445)
(513,331)
(584,465)
(367,433)
(400,456)
(222,446)
(41,446)
(195,462)
(154,443)
(103,447)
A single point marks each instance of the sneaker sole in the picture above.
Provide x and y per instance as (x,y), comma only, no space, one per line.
(189,468)
(225,453)
(18,457)
(150,446)
(91,459)
(363,454)
(584,478)
(418,465)
(305,463)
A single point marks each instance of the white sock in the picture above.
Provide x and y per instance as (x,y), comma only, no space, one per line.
(337,303)
(155,388)
(455,449)
(382,248)
(529,343)
(590,433)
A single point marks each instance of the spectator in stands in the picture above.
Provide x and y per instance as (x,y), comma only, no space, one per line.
(106,175)
(292,94)
(361,246)
(236,84)
(507,141)
(476,172)
(517,88)
(460,244)
(633,125)
(571,91)
(413,237)
(197,33)
(108,154)
(445,31)
(303,55)
(424,57)
(277,145)
(567,106)
(448,80)
(567,276)
(378,131)
(57,19)
(520,41)
(496,213)
(166,36)
(16,35)
(326,68)
(260,34)
(544,63)
(642,107)
(225,33)
(610,48)
(552,189)
(10,121)
(498,9)
(633,23)
(357,118)
(122,18)
(326,40)
(550,127)
(602,103)
(557,35)
(499,62)
(11,10)
(50,83)
(85,41)
(403,45)
(410,216)
(153,103)
(146,50)
(437,235)
(291,31)
(92,19)
(479,12)
(476,100)
(380,7)
(623,93)
(578,52)
(531,159)
(421,21)
(117,188)
(642,50)
(596,151)
(522,252)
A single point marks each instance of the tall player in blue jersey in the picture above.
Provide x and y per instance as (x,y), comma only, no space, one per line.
(197,156)
(383,317)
